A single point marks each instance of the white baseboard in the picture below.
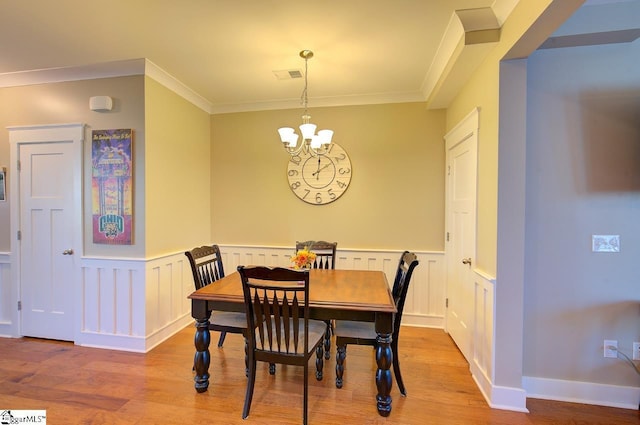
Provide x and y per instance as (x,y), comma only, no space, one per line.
(168,331)
(136,344)
(499,397)
(422,320)
(131,343)
(582,392)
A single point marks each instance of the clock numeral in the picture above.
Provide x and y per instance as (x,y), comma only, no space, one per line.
(296,159)
(332,195)
(295,185)
(344,170)
(340,157)
(318,198)
(307,191)
(293,173)
(342,185)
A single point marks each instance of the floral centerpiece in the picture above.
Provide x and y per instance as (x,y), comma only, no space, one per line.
(303,259)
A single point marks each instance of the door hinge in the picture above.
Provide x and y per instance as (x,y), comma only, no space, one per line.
(19,235)
(19,305)
(447,236)
(446,302)
(448,170)
(18,165)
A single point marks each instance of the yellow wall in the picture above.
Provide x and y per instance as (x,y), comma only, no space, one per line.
(482,91)
(177,172)
(396,196)
(68,102)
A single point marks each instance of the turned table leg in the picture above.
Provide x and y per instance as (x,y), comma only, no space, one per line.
(384,358)
(202,339)
(202,357)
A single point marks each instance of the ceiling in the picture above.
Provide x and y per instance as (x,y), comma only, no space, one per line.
(226,51)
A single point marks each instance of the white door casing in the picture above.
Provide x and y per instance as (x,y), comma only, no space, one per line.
(460,227)
(46,211)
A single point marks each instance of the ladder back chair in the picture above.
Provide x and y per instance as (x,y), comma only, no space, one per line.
(325,259)
(279,328)
(364,333)
(207,267)
(325,253)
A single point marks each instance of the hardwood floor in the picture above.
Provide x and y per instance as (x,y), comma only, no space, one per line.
(78,385)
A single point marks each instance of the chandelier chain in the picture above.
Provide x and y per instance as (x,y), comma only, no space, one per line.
(305,94)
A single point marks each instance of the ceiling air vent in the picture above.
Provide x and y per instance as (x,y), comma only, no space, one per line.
(288,74)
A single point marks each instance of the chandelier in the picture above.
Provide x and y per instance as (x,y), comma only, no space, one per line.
(312,143)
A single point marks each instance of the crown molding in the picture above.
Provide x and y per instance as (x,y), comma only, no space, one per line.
(371,99)
(468,39)
(169,81)
(73,73)
(123,68)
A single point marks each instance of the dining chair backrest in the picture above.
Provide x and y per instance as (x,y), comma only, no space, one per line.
(325,253)
(206,265)
(408,262)
(277,310)
(279,329)
(363,333)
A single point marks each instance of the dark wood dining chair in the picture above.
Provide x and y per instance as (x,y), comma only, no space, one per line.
(325,259)
(364,333)
(207,267)
(279,328)
(325,253)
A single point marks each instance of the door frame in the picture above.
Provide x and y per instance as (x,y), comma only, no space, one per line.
(467,128)
(20,135)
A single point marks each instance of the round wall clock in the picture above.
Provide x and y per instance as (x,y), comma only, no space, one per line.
(321,179)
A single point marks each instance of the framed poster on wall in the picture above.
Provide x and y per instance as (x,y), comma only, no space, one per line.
(111,186)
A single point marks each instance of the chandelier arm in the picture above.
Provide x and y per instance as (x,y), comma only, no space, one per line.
(294,151)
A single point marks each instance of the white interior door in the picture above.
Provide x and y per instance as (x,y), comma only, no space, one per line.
(49,181)
(461,231)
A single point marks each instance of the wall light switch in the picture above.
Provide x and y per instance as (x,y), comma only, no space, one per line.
(605,243)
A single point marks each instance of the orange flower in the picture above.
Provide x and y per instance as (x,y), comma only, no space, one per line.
(303,259)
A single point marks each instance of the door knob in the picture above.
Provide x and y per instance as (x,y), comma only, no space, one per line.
(67,252)
(466,261)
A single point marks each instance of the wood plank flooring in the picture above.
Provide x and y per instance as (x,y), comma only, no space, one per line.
(79,385)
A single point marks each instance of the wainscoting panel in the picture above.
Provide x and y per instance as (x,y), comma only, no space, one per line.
(7,300)
(425,300)
(425,303)
(112,303)
(169,283)
(482,361)
(133,305)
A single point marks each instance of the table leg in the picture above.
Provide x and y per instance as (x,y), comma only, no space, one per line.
(202,357)
(384,358)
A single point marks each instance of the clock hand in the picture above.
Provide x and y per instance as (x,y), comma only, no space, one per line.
(318,172)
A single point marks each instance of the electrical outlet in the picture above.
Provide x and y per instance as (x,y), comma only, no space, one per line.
(610,348)
(636,351)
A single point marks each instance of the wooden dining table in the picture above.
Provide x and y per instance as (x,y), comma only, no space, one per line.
(361,295)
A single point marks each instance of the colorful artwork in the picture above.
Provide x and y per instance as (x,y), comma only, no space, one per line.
(111,182)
